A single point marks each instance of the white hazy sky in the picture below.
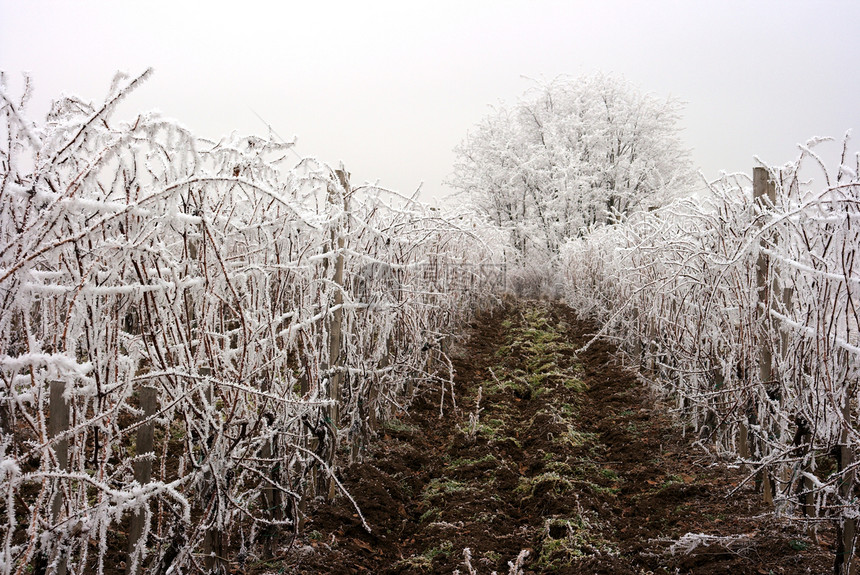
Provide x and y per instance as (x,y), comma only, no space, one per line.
(392,87)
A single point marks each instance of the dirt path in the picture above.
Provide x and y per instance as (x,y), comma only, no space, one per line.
(567,459)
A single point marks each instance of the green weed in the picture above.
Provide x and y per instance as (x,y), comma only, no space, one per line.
(464,461)
(576,438)
(398,426)
(431,515)
(439,487)
(424,562)
(568,539)
(550,480)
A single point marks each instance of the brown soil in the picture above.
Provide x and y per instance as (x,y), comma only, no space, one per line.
(592,478)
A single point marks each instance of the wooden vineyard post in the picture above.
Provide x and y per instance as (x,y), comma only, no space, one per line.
(57,425)
(336,323)
(763,187)
(5,418)
(142,472)
(339,200)
(743,441)
(213,560)
(651,340)
(846,531)
(846,528)
(637,344)
(271,495)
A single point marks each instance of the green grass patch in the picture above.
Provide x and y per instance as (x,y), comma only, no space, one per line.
(464,461)
(431,515)
(541,350)
(440,487)
(549,481)
(424,562)
(610,474)
(575,384)
(575,438)
(565,540)
(518,386)
(396,425)
(492,430)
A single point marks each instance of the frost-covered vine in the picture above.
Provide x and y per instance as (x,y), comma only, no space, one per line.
(748,312)
(277,312)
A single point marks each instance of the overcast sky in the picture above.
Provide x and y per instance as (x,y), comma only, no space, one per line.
(392,87)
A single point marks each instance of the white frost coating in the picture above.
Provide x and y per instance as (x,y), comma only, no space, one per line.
(9,467)
(566,157)
(689,541)
(206,273)
(775,355)
(61,363)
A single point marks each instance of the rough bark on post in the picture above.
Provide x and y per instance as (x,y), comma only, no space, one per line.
(743,439)
(767,488)
(271,496)
(763,187)
(809,500)
(846,531)
(338,197)
(5,417)
(637,344)
(651,353)
(846,528)
(213,560)
(142,471)
(58,424)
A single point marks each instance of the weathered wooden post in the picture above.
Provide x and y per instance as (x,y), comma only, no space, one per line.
(743,439)
(271,495)
(785,295)
(213,560)
(763,188)
(5,416)
(846,530)
(651,350)
(57,425)
(144,446)
(764,197)
(338,197)
(637,343)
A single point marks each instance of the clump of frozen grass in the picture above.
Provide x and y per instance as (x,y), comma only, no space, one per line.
(515,566)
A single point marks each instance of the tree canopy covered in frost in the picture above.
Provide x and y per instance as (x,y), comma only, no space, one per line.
(569,155)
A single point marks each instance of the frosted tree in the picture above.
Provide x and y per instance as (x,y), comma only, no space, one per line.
(569,155)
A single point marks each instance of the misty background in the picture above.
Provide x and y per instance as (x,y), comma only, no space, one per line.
(390,88)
